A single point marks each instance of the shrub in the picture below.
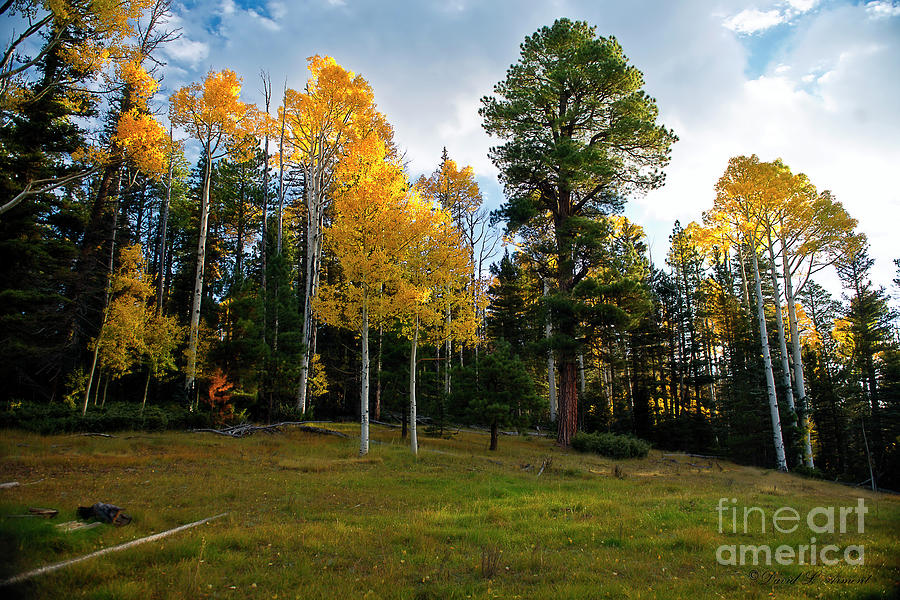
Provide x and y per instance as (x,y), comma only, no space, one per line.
(611,445)
(119,416)
(811,472)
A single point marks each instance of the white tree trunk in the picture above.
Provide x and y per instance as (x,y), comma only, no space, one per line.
(146,389)
(414,440)
(581,382)
(551,364)
(198,281)
(448,359)
(313,248)
(782,344)
(744,287)
(163,226)
(798,365)
(770,377)
(281,181)
(364,395)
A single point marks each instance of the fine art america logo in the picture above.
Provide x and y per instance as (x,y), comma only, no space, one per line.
(821,520)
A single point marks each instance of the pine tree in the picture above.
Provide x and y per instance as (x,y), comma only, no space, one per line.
(497,392)
(575,152)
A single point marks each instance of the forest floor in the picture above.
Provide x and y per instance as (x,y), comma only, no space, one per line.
(307,518)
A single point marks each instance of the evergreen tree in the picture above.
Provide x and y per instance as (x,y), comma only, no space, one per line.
(497,391)
(511,314)
(574,151)
(39,238)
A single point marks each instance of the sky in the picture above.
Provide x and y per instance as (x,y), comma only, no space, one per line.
(814,82)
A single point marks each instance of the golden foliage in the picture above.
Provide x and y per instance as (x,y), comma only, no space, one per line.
(438,269)
(455,189)
(318,382)
(368,236)
(133,333)
(212,112)
(140,84)
(109,24)
(145,142)
(336,107)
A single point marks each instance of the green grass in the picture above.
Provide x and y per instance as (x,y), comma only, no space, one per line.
(308,518)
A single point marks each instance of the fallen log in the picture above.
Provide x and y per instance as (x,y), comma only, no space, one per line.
(150,538)
(547,462)
(239,431)
(708,456)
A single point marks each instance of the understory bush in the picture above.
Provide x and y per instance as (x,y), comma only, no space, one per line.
(118,416)
(611,445)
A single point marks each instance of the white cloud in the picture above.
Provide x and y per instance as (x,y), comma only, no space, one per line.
(187,51)
(802,5)
(825,103)
(278,10)
(751,20)
(266,22)
(881,9)
(831,115)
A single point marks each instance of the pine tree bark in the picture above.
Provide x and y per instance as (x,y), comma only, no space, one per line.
(568,409)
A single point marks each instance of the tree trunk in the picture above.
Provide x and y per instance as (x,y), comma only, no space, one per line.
(449,358)
(414,440)
(239,250)
(281,183)
(551,365)
(87,391)
(782,344)
(378,374)
(770,377)
(364,376)
(198,281)
(799,378)
(744,288)
(264,391)
(494,435)
(581,381)
(568,409)
(313,246)
(163,226)
(146,389)
(110,263)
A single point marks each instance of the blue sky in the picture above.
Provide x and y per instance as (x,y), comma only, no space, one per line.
(815,82)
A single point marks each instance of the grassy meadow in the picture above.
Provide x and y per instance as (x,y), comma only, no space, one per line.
(307,518)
